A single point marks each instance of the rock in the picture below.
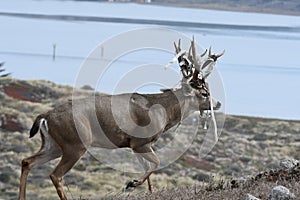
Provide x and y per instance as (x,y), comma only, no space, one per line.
(201,177)
(280,193)
(250,197)
(245,159)
(4,177)
(209,158)
(288,163)
(260,137)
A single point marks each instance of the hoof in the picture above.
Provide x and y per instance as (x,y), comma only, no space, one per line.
(132,184)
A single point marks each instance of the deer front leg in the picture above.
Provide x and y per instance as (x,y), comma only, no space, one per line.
(146,166)
(147,153)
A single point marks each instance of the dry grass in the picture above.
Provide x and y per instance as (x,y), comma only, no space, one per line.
(259,186)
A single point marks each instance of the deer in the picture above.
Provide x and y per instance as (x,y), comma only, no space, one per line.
(68,130)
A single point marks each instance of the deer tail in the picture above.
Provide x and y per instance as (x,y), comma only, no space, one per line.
(36,126)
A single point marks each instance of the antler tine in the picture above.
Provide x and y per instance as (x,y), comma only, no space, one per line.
(177,48)
(190,52)
(210,69)
(209,52)
(220,54)
(196,64)
(206,63)
(203,54)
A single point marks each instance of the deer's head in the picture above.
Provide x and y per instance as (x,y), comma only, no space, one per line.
(195,70)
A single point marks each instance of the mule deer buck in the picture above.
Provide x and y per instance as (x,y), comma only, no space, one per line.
(70,129)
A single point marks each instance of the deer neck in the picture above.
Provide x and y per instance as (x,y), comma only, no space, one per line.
(178,108)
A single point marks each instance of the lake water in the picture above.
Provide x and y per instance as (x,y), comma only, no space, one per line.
(260,70)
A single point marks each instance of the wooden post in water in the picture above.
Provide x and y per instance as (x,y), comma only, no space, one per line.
(54,52)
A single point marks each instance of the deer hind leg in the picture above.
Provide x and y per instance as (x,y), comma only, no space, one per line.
(147,153)
(41,157)
(69,158)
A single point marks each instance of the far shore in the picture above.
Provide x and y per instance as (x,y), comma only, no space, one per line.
(231,8)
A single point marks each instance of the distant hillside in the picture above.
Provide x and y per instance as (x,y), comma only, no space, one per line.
(284,7)
(265,6)
(247,146)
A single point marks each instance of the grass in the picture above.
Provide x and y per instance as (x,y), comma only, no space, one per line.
(259,186)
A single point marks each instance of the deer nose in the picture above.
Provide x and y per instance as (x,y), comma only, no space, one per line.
(217,106)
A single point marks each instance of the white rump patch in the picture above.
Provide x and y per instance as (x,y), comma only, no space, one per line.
(44,131)
(44,126)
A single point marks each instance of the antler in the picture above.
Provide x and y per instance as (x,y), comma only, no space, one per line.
(196,64)
(189,61)
(215,56)
(178,55)
(190,56)
(177,48)
(220,54)
(203,54)
(209,52)
(210,62)
(184,60)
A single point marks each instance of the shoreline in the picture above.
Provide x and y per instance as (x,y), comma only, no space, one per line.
(228,8)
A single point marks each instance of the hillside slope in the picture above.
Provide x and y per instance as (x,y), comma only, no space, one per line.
(247,146)
(283,7)
(291,7)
